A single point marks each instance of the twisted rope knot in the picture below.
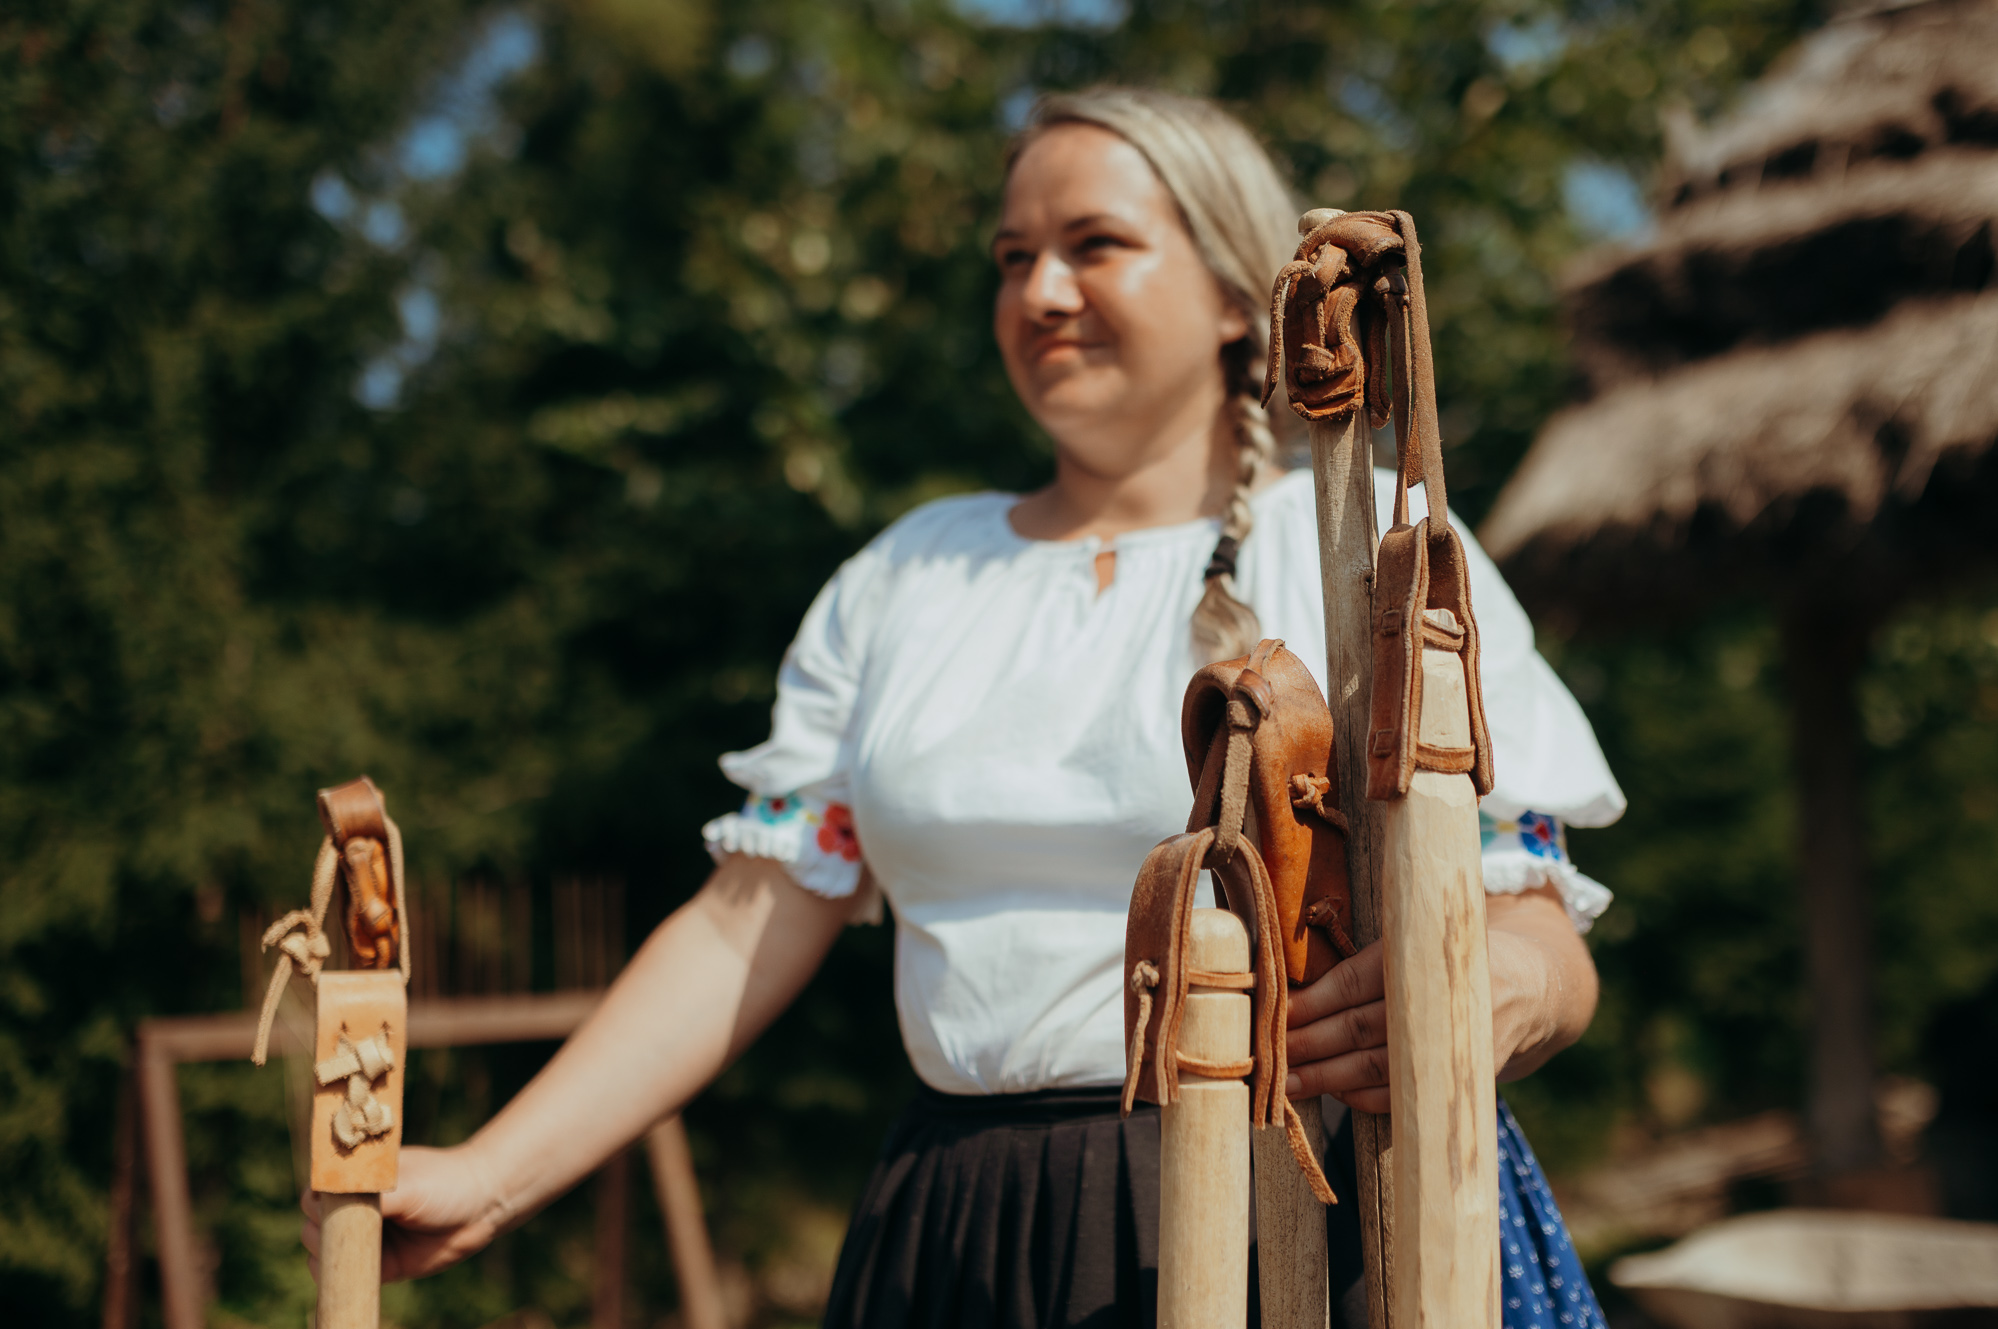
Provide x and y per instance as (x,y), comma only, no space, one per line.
(360,1114)
(1144,977)
(299,936)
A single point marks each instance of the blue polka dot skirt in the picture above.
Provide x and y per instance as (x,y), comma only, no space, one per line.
(1541,1284)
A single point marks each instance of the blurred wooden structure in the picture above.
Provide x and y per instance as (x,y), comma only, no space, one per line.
(478,950)
(1799,1269)
(1793,391)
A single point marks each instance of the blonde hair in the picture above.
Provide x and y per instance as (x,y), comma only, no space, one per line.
(1243,221)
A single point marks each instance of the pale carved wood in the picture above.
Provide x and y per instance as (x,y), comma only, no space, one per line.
(1204,1147)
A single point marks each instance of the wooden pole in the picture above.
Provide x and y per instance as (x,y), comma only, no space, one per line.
(181,1289)
(1204,1147)
(1293,1274)
(701,1305)
(350,1262)
(1441,1085)
(356,1006)
(1824,647)
(613,1229)
(1348,536)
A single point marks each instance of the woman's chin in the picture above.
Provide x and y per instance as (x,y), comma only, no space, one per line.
(1083,400)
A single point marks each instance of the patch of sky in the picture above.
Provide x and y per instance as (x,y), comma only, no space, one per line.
(750,57)
(1102,15)
(463,108)
(332,198)
(383,224)
(1527,46)
(1605,201)
(417,308)
(1366,100)
(1015,107)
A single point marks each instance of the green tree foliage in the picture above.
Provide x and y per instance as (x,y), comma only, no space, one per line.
(475,395)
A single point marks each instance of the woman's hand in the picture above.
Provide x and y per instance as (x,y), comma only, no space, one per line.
(706,982)
(442,1209)
(1543,996)
(1337,1043)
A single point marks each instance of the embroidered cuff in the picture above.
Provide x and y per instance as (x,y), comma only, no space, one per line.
(811,837)
(1530,851)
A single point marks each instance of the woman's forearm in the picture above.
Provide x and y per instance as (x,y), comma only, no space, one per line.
(703,985)
(1544,984)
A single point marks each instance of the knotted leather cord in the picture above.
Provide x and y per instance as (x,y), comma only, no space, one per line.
(300,935)
(1144,977)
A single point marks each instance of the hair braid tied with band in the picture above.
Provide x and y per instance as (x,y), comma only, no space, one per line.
(1223,625)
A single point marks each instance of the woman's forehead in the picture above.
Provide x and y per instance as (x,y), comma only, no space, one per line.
(1074,173)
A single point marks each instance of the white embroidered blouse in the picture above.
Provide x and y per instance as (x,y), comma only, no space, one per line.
(1001,744)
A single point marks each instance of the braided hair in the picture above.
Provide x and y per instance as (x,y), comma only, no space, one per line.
(1243,222)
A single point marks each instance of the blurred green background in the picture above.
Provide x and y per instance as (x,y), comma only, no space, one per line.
(475,395)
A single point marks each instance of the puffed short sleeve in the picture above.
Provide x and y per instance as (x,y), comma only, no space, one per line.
(799,805)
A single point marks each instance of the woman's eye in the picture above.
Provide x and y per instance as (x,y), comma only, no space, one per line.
(1014,258)
(1098,244)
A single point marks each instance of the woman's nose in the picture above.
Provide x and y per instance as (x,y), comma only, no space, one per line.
(1052,291)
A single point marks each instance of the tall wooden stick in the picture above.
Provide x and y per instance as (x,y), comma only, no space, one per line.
(1204,1146)
(1348,536)
(1441,1083)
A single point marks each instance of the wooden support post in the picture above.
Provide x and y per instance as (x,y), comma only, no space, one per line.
(613,1229)
(354,1157)
(120,1275)
(181,1291)
(1348,536)
(1204,1147)
(679,1192)
(1441,1083)
(1824,648)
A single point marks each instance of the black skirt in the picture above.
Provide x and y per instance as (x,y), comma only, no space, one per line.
(1031,1211)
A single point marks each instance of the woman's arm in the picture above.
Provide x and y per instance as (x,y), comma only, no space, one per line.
(703,985)
(1543,996)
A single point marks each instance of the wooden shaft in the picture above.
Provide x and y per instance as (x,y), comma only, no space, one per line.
(1348,536)
(350,1262)
(613,1226)
(679,1193)
(1292,1269)
(166,1174)
(1204,1148)
(1441,1083)
(1824,647)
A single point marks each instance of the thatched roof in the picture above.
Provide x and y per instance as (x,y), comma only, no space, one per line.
(1759,265)
(1884,81)
(1842,431)
(1798,373)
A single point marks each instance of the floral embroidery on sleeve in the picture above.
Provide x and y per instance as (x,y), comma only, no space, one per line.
(812,836)
(1531,850)
(836,835)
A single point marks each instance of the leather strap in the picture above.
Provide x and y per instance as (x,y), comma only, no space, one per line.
(370,848)
(1155,944)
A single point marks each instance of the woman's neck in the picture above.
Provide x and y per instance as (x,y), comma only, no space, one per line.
(1186,480)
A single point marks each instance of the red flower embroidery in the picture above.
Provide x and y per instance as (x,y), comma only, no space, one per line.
(836,836)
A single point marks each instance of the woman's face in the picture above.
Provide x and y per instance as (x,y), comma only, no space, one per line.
(1110,324)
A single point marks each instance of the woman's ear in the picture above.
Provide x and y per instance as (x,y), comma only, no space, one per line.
(1234,324)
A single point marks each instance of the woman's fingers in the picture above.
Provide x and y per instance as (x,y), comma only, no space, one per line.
(1337,1040)
(1358,1079)
(1352,982)
(1353,1030)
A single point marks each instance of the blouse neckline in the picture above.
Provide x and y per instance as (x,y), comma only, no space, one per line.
(1004,503)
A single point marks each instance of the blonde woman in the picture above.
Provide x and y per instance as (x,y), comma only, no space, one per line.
(979,721)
